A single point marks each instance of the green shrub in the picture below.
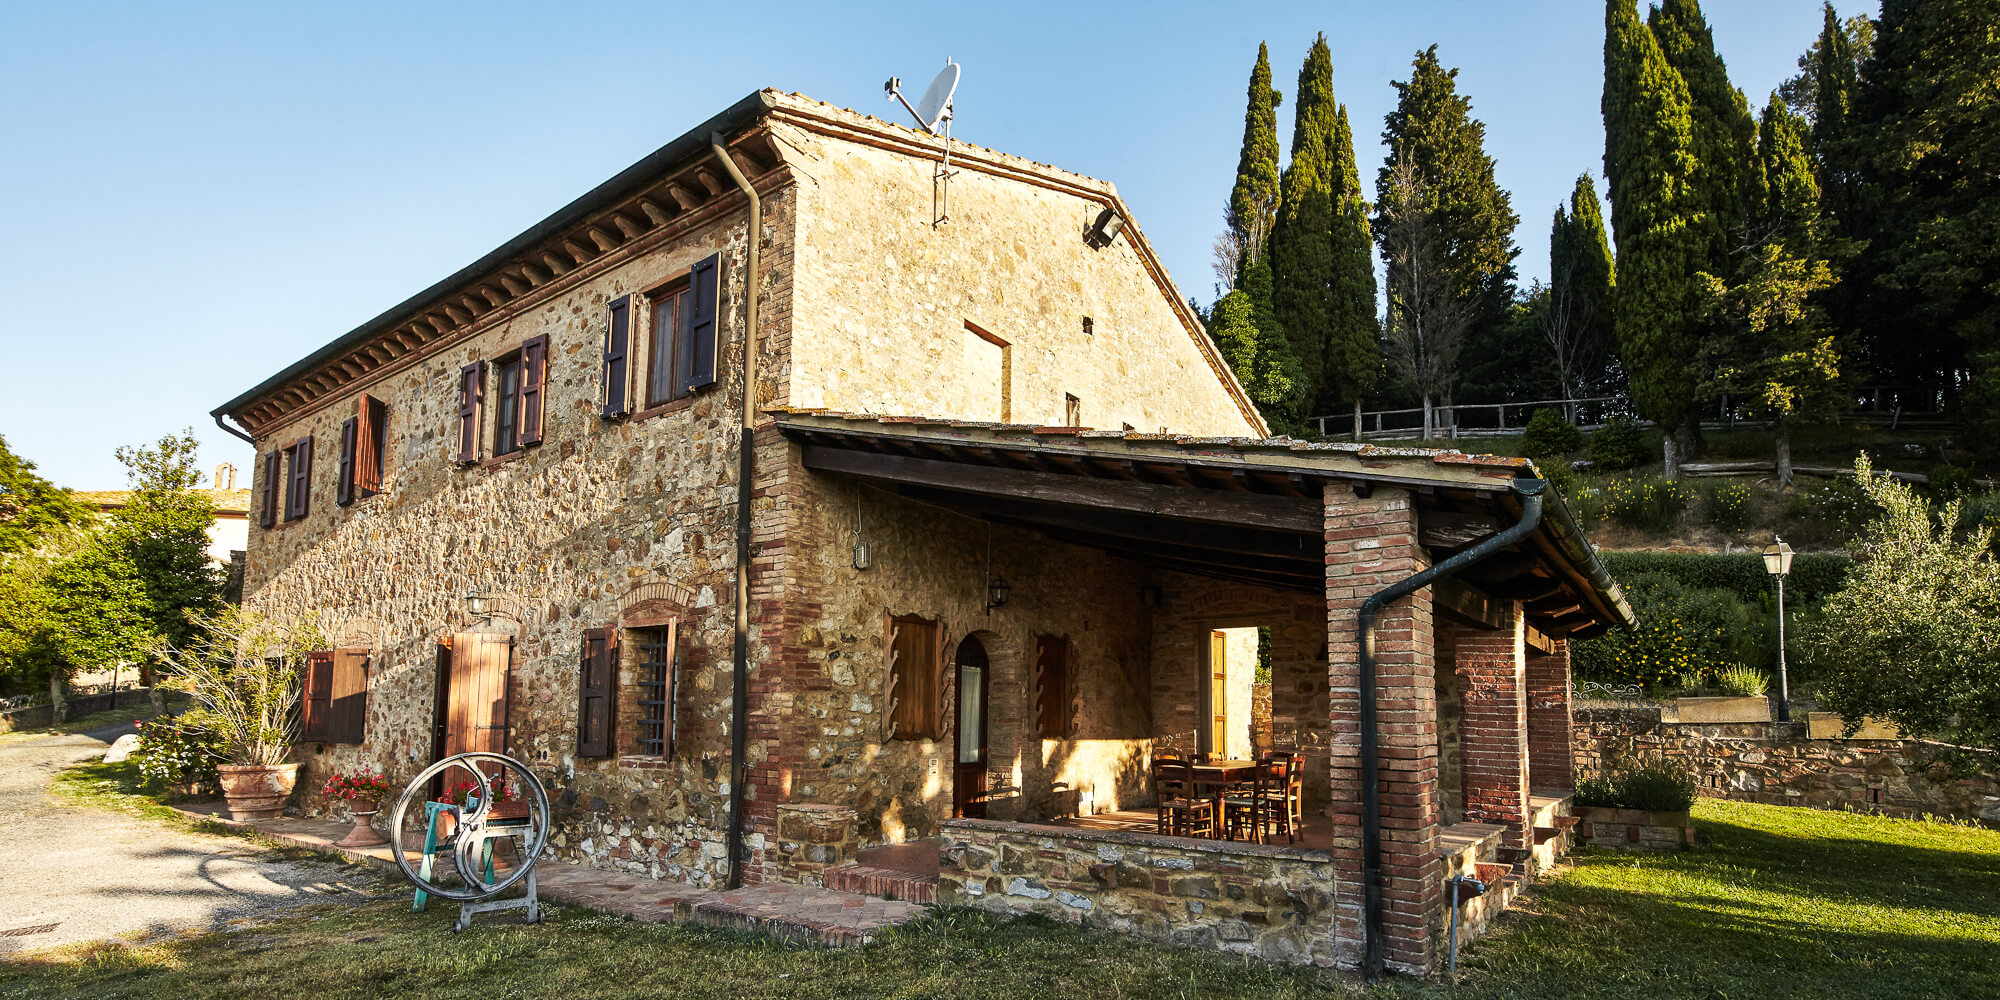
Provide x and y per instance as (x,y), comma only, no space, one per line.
(1619,444)
(1652,504)
(1727,506)
(1742,681)
(175,752)
(1814,574)
(1949,482)
(1550,436)
(1829,511)
(1682,630)
(1653,784)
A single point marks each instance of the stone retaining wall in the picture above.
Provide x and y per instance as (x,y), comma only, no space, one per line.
(1777,764)
(1273,902)
(1636,828)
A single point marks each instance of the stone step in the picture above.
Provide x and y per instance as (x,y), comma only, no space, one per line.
(886,883)
(799,913)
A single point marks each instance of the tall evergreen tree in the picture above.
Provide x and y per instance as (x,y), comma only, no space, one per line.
(1432,135)
(1253,202)
(1725,135)
(1575,315)
(1302,237)
(1352,351)
(1649,161)
(1927,121)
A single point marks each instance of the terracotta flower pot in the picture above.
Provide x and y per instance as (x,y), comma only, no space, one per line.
(257,791)
(363,834)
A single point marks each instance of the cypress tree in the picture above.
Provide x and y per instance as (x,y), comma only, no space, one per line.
(1281,388)
(1302,236)
(1575,317)
(1352,354)
(1650,164)
(1927,120)
(1725,135)
(1432,134)
(1836,75)
(1253,203)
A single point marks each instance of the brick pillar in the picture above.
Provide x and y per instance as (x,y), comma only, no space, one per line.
(1551,755)
(1493,734)
(1371,543)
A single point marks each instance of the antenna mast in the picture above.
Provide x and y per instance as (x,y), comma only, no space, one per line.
(933,111)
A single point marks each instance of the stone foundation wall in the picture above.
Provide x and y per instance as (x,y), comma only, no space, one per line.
(1775,763)
(1275,903)
(1634,828)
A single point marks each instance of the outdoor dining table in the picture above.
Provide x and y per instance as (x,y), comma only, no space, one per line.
(1219,775)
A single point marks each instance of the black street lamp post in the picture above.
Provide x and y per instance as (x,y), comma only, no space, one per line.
(1778,563)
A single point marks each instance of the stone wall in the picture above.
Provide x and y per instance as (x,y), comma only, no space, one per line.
(884,297)
(1273,902)
(567,533)
(1775,763)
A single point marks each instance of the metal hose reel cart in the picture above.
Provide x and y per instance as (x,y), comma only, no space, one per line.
(470,846)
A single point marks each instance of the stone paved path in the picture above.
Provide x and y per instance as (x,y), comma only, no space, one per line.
(70,874)
(797,913)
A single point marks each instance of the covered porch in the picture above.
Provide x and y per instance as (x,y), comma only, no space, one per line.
(1248,563)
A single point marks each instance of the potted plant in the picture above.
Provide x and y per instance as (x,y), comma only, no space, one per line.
(363,795)
(246,675)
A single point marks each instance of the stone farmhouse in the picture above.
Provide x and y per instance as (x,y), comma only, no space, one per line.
(993,525)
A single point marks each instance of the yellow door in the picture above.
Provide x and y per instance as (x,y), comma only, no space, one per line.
(1218,693)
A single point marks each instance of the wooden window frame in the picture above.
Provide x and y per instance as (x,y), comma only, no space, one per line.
(617,370)
(913,707)
(471,404)
(657,679)
(665,382)
(267,499)
(597,721)
(298,478)
(507,404)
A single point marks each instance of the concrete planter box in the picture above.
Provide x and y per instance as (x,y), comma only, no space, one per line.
(1828,726)
(1639,829)
(1751,709)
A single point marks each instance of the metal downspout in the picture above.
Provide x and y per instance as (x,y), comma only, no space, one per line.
(1530,491)
(739,710)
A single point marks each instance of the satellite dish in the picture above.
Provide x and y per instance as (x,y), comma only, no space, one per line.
(935,108)
(937,98)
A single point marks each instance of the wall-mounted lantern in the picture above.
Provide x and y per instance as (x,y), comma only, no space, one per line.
(996,592)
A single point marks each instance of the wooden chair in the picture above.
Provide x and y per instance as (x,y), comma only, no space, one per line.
(1272,804)
(1288,802)
(1182,810)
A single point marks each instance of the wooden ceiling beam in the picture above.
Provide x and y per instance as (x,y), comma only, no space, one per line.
(683,197)
(654,211)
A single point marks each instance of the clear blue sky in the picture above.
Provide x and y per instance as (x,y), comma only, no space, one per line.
(194,195)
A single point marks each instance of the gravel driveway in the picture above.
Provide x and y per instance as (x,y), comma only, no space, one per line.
(70,874)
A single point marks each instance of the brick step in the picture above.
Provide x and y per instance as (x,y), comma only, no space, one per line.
(800,914)
(887,883)
(1544,834)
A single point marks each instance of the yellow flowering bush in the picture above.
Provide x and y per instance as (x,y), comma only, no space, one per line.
(1650,504)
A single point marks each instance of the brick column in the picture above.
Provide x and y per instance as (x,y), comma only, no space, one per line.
(1493,736)
(1551,755)
(1371,543)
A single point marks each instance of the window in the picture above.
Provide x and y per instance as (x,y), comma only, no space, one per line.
(663,346)
(298,482)
(267,500)
(363,446)
(336,696)
(507,415)
(1072,411)
(1089,328)
(914,655)
(658,659)
(1052,690)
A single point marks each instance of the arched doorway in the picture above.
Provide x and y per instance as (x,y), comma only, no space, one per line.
(968,785)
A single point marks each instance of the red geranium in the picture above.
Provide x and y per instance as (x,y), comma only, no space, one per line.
(355,786)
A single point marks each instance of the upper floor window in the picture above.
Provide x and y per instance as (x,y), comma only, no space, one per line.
(519,380)
(670,311)
(363,446)
(677,326)
(298,480)
(507,416)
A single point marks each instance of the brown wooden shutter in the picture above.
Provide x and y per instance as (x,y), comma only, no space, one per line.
(617,339)
(343,485)
(371,445)
(267,502)
(914,686)
(1052,686)
(699,324)
(298,493)
(595,685)
(347,718)
(534,377)
(471,392)
(319,696)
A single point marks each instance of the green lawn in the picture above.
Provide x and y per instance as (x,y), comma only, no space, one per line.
(1784,903)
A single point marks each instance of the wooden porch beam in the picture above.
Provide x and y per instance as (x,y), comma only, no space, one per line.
(1248,509)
